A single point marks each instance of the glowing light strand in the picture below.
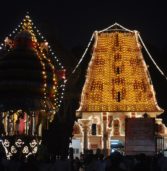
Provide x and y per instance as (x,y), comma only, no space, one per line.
(34,31)
(147,71)
(49,47)
(27,25)
(82,57)
(34,28)
(57,61)
(113,25)
(159,69)
(54,87)
(139,45)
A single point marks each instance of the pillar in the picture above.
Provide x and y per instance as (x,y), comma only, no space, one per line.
(33,123)
(85,123)
(109,130)
(105,134)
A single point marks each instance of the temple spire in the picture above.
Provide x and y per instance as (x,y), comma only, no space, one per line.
(117,77)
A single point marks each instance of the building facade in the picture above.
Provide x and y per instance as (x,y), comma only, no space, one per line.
(117,86)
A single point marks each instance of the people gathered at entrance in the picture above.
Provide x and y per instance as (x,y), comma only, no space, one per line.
(89,162)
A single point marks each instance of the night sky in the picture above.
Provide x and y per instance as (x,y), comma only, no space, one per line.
(71,24)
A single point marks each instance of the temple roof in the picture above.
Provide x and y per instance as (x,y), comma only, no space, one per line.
(117,77)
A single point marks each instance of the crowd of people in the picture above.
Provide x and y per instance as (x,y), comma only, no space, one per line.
(89,162)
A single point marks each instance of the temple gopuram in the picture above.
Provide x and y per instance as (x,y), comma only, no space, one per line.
(117,86)
(31,89)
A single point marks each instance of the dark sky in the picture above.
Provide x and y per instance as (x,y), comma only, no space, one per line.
(72,22)
(75,20)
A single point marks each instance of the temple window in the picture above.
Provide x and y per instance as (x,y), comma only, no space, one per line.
(118,96)
(93,129)
(118,70)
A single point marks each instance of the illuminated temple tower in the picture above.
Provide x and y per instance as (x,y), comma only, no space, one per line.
(118,85)
(31,88)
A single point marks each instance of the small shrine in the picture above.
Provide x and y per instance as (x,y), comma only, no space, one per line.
(32,82)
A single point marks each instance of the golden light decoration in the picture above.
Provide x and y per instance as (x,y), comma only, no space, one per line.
(117,77)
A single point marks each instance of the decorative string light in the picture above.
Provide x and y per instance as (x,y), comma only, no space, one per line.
(113,25)
(82,57)
(45,59)
(159,69)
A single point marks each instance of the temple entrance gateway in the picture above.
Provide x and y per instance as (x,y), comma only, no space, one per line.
(117,86)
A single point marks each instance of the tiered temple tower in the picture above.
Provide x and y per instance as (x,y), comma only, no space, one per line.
(118,85)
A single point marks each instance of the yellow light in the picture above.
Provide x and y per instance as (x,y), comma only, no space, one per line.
(117,77)
(44,58)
